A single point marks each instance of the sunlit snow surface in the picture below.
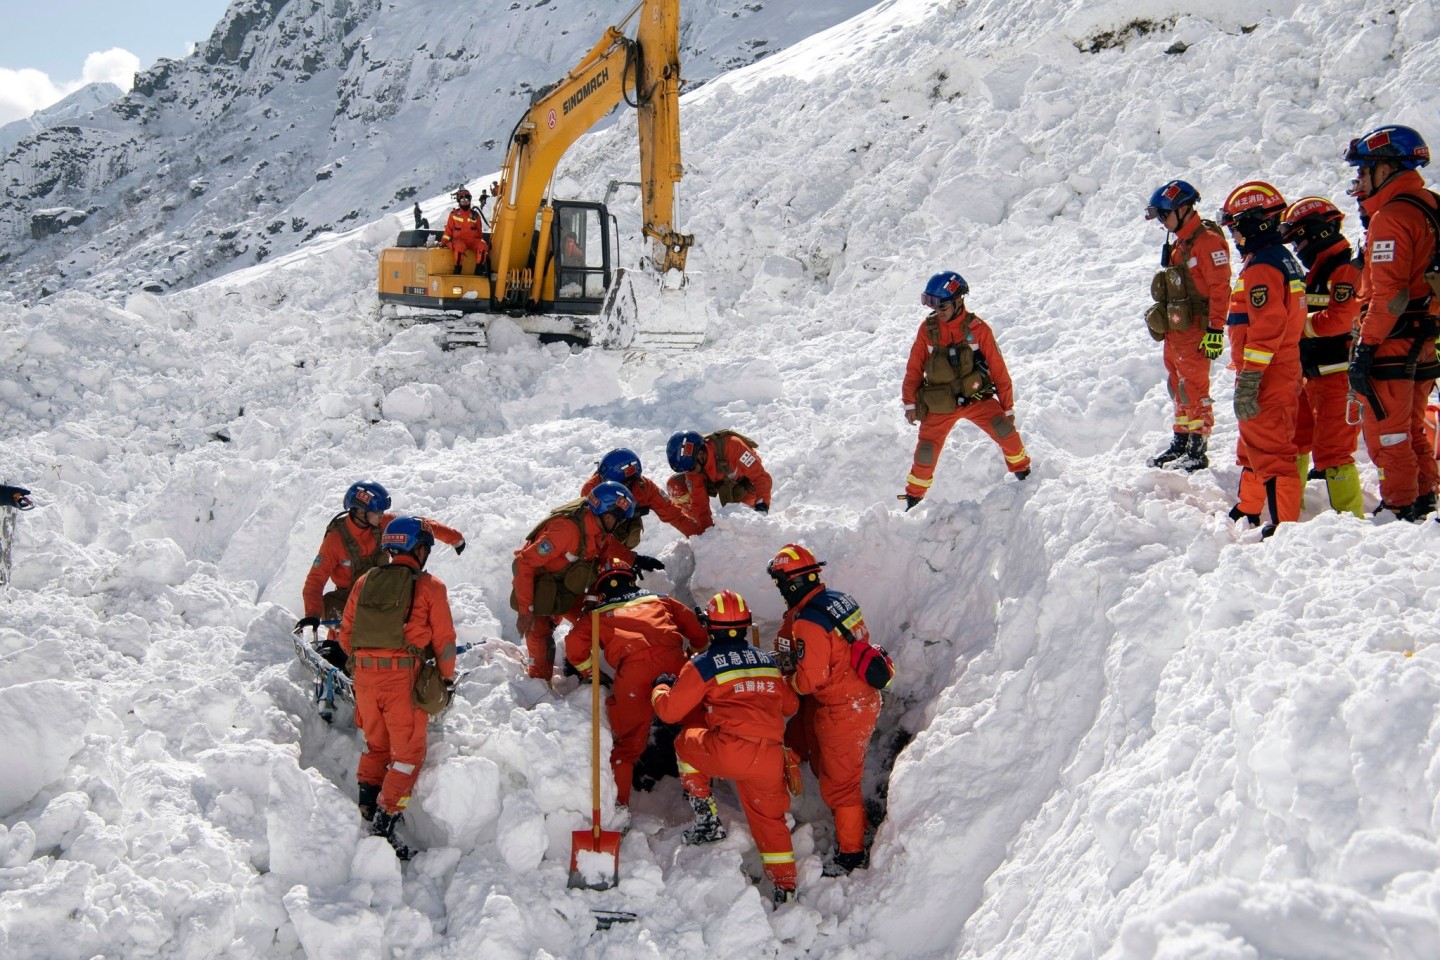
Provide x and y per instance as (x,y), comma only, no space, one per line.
(1138,731)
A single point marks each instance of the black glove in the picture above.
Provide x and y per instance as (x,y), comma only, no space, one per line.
(762,507)
(568,670)
(645,564)
(1360,365)
(665,680)
(303,622)
(641,512)
(460,547)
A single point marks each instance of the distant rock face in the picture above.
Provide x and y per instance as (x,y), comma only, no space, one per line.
(82,102)
(44,223)
(299,117)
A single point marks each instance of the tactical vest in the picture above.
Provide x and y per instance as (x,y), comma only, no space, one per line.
(954,374)
(335,600)
(729,489)
(383,607)
(1178,301)
(1322,355)
(556,592)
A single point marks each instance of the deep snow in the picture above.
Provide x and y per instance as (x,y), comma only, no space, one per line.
(1130,729)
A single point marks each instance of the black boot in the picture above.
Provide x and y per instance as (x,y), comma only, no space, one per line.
(843,863)
(384,826)
(1424,506)
(910,501)
(1179,446)
(457,269)
(1195,454)
(707,828)
(1236,515)
(783,895)
(369,796)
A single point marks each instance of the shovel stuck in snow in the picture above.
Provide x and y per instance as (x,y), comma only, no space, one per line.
(595,853)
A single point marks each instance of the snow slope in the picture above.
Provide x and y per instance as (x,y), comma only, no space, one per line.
(1123,727)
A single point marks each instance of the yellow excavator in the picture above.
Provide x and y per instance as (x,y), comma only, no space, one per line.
(553,263)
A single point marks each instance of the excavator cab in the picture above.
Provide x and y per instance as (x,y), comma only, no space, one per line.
(581,243)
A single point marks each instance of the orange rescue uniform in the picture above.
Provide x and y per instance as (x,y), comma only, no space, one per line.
(394,728)
(555,546)
(642,635)
(991,414)
(745,701)
(346,552)
(1333,303)
(648,495)
(464,230)
(1187,369)
(691,492)
(838,709)
(1398,317)
(1267,318)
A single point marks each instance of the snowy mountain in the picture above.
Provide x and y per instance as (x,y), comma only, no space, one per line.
(1123,727)
(300,117)
(77,105)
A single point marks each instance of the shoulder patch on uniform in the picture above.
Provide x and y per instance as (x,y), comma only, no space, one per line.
(1220,257)
(1342,292)
(545,548)
(1259,296)
(317,561)
(1382,251)
(747,459)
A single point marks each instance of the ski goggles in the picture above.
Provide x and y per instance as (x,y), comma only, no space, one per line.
(934,301)
(1156,213)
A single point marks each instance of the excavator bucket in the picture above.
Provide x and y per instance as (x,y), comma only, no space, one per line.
(665,314)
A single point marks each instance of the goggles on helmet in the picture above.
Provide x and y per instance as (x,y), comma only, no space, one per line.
(934,301)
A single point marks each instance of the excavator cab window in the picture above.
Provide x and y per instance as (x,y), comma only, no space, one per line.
(582,253)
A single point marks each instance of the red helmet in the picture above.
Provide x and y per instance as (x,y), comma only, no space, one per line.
(614,574)
(727,613)
(1307,217)
(1256,199)
(792,561)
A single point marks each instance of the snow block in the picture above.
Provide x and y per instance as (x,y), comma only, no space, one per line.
(343,930)
(461,796)
(44,724)
(312,828)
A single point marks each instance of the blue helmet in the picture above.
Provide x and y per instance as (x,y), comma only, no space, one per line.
(1392,143)
(944,287)
(367,495)
(611,497)
(404,534)
(1170,196)
(681,450)
(621,466)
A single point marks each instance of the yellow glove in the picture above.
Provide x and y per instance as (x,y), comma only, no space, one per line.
(1212,344)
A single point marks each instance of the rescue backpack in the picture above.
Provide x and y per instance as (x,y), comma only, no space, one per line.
(383,608)
(729,489)
(954,374)
(1177,299)
(556,592)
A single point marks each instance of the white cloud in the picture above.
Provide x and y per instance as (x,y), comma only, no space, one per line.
(22,92)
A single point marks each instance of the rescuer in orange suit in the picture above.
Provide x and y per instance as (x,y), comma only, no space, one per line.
(1191,320)
(955,372)
(1394,361)
(352,546)
(1267,319)
(838,708)
(1311,226)
(723,465)
(464,230)
(642,635)
(556,567)
(623,466)
(738,736)
(393,609)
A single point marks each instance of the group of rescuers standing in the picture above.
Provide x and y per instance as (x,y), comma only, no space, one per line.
(1322,353)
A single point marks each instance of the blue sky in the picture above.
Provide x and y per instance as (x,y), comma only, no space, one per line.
(44,44)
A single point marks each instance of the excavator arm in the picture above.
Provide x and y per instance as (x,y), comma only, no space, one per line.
(644,71)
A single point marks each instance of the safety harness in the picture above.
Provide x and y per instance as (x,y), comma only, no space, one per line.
(334,601)
(556,592)
(1416,323)
(728,488)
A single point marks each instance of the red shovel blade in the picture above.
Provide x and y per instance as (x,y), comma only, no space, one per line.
(595,859)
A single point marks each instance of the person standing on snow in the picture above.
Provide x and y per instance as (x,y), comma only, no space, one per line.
(1266,321)
(816,649)
(557,565)
(955,372)
(723,465)
(464,230)
(738,736)
(1311,226)
(642,636)
(351,546)
(1394,366)
(623,466)
(1192,292)
(397,616)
